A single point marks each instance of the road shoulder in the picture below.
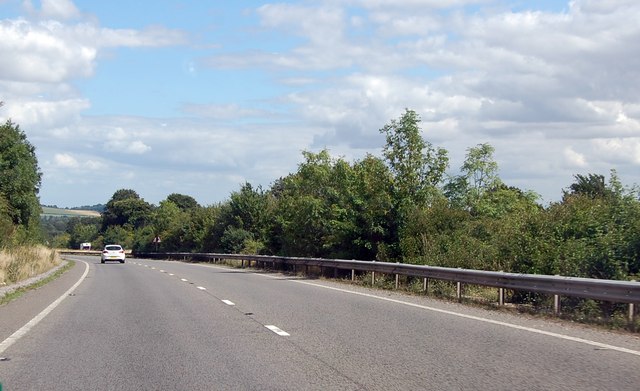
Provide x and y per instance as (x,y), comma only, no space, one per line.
(18,312)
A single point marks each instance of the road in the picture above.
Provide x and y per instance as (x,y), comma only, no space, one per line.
(159,325)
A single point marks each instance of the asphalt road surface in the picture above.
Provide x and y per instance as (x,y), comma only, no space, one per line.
(159,325)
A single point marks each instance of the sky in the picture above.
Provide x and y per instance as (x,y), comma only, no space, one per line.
(199,97)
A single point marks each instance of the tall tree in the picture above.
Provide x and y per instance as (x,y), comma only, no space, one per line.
(182,201)
(480,167)
(20,176)
(591,185)
(479,174)
(417,166)
(126,208)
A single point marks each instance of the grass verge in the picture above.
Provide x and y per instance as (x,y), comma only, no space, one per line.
(21,291)
(23,262)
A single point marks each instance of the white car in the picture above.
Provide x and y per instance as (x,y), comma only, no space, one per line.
(112,252)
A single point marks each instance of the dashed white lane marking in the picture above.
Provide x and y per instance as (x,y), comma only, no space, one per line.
(228,302)
(496,322)
(171,274)
(477,318)
(184,279)
(25,329)
(146,265)
(277,330)
(153,268)
(202,288)
(162,271)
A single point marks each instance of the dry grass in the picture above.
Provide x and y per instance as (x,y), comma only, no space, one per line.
(20,263)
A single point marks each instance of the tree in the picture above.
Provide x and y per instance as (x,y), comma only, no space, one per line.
(375,226)
(479,174)
(591,185)
(166,221)
(314,213)
(20,177)
(417,166)
(248,210)
(182,201)
(126,208)
(481,168)
(82,230)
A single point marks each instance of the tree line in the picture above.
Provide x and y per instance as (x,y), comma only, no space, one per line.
(400,207)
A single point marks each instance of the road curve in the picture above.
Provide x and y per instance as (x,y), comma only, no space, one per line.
(151,325)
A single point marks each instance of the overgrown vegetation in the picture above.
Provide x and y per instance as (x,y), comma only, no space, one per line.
(22,262)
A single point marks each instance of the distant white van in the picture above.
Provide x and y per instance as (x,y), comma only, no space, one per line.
(85,246)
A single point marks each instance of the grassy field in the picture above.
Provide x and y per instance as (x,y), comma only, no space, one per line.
(47,211)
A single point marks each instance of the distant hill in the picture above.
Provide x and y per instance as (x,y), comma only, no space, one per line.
(48,211)
(97,207)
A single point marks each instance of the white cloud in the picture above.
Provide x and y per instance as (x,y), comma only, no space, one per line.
(123,141)
(574,159)
(94,165)
(59,9)
(42,53)
(63,160)
(619,150)
(46,114)
(322,25)
(221,112)
(554,92)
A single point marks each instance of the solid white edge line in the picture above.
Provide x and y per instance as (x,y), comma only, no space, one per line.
(228,302)
(25,329)
(477,318)
(277,330)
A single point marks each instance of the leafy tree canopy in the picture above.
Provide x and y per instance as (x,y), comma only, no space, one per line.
(592,185)
(182,201)
(126,208)
(20,176)
(417,166)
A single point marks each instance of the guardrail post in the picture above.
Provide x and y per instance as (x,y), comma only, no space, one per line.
(425,285)
(501,296)
(556,304)
(632,312)
(459,290)
(353,275)
(397,278)
(373,276)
